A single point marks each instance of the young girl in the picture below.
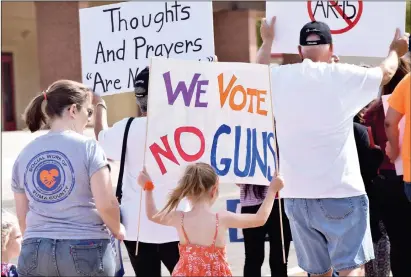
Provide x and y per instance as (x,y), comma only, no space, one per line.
(202,232)
(10,243)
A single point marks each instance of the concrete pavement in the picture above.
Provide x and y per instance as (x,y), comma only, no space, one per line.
(14,142)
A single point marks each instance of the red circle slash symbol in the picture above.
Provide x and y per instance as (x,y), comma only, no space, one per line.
(334,6)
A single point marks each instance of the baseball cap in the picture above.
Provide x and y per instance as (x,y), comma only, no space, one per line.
(141,83)
(315,28)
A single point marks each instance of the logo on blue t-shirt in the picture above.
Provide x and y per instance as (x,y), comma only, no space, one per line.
(49,177)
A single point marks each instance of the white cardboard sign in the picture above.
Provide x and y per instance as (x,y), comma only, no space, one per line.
(359,28)
(117,40)
(217,113)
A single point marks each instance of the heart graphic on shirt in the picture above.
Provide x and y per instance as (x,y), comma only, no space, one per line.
(48,177)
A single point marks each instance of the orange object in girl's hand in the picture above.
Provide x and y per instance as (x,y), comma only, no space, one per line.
(148,186)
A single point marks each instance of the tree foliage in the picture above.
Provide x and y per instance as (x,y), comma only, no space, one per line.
(408,18)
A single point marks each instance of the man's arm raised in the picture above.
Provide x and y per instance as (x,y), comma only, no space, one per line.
(267,35)
(398,48)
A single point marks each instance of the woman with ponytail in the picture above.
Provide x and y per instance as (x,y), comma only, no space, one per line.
(62,189)
(202,232)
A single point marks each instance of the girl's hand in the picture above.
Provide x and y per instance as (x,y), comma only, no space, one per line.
(143,178)
(276,184)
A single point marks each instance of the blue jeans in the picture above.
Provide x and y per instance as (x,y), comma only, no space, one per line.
(335,274)
(331,233)
(49,257)
(407,189)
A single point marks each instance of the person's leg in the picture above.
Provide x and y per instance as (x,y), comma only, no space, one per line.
(131,250)
(380,266)
(147,262)
(254,242)
(277,265)
(345,224)
(310,244)
(372,268)
(396,207)
(169,254)
(382,255)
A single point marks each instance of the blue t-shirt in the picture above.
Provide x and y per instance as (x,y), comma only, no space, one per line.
(54,172)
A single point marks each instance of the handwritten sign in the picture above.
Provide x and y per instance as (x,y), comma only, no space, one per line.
(236,235)
(355,25)
(217,113)
(117,40)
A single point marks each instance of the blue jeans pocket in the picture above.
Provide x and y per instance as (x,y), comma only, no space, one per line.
(88,259)
(336,209)
(28,259)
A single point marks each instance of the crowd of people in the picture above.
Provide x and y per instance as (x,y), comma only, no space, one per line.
(346,209)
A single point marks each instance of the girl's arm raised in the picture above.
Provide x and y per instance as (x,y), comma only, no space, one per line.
(169,219)
(234,220)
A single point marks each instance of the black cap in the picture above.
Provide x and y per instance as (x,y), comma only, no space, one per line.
(315,28)
(141,83)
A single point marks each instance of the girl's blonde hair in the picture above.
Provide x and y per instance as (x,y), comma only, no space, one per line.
(197,180)
(8,222)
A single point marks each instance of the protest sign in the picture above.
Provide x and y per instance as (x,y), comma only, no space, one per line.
(217,113)
(356,26)
(236,235)
(117,40)
(234,206)
(401,127)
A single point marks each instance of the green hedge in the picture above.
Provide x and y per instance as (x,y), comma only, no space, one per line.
(408,19)
(259,40)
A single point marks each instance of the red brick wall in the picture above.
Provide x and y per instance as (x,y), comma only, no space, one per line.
(231,40)
(58,41)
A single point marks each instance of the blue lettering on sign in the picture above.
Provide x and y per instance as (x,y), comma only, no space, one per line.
(250,156)
(234,206)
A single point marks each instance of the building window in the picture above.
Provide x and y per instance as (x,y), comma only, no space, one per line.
(7,93)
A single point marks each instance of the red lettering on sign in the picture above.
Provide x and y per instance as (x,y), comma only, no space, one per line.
(338,8)
(183,154)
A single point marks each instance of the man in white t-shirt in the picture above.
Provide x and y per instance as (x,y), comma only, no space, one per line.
(314,104)
(157,243)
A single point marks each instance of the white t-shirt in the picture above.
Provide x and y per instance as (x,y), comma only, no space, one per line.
(314,106)
(111,141)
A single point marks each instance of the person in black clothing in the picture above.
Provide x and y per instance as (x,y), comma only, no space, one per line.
(370,158)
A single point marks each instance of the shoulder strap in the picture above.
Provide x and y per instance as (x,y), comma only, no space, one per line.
(216,229)
(119,192)
(182,227)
